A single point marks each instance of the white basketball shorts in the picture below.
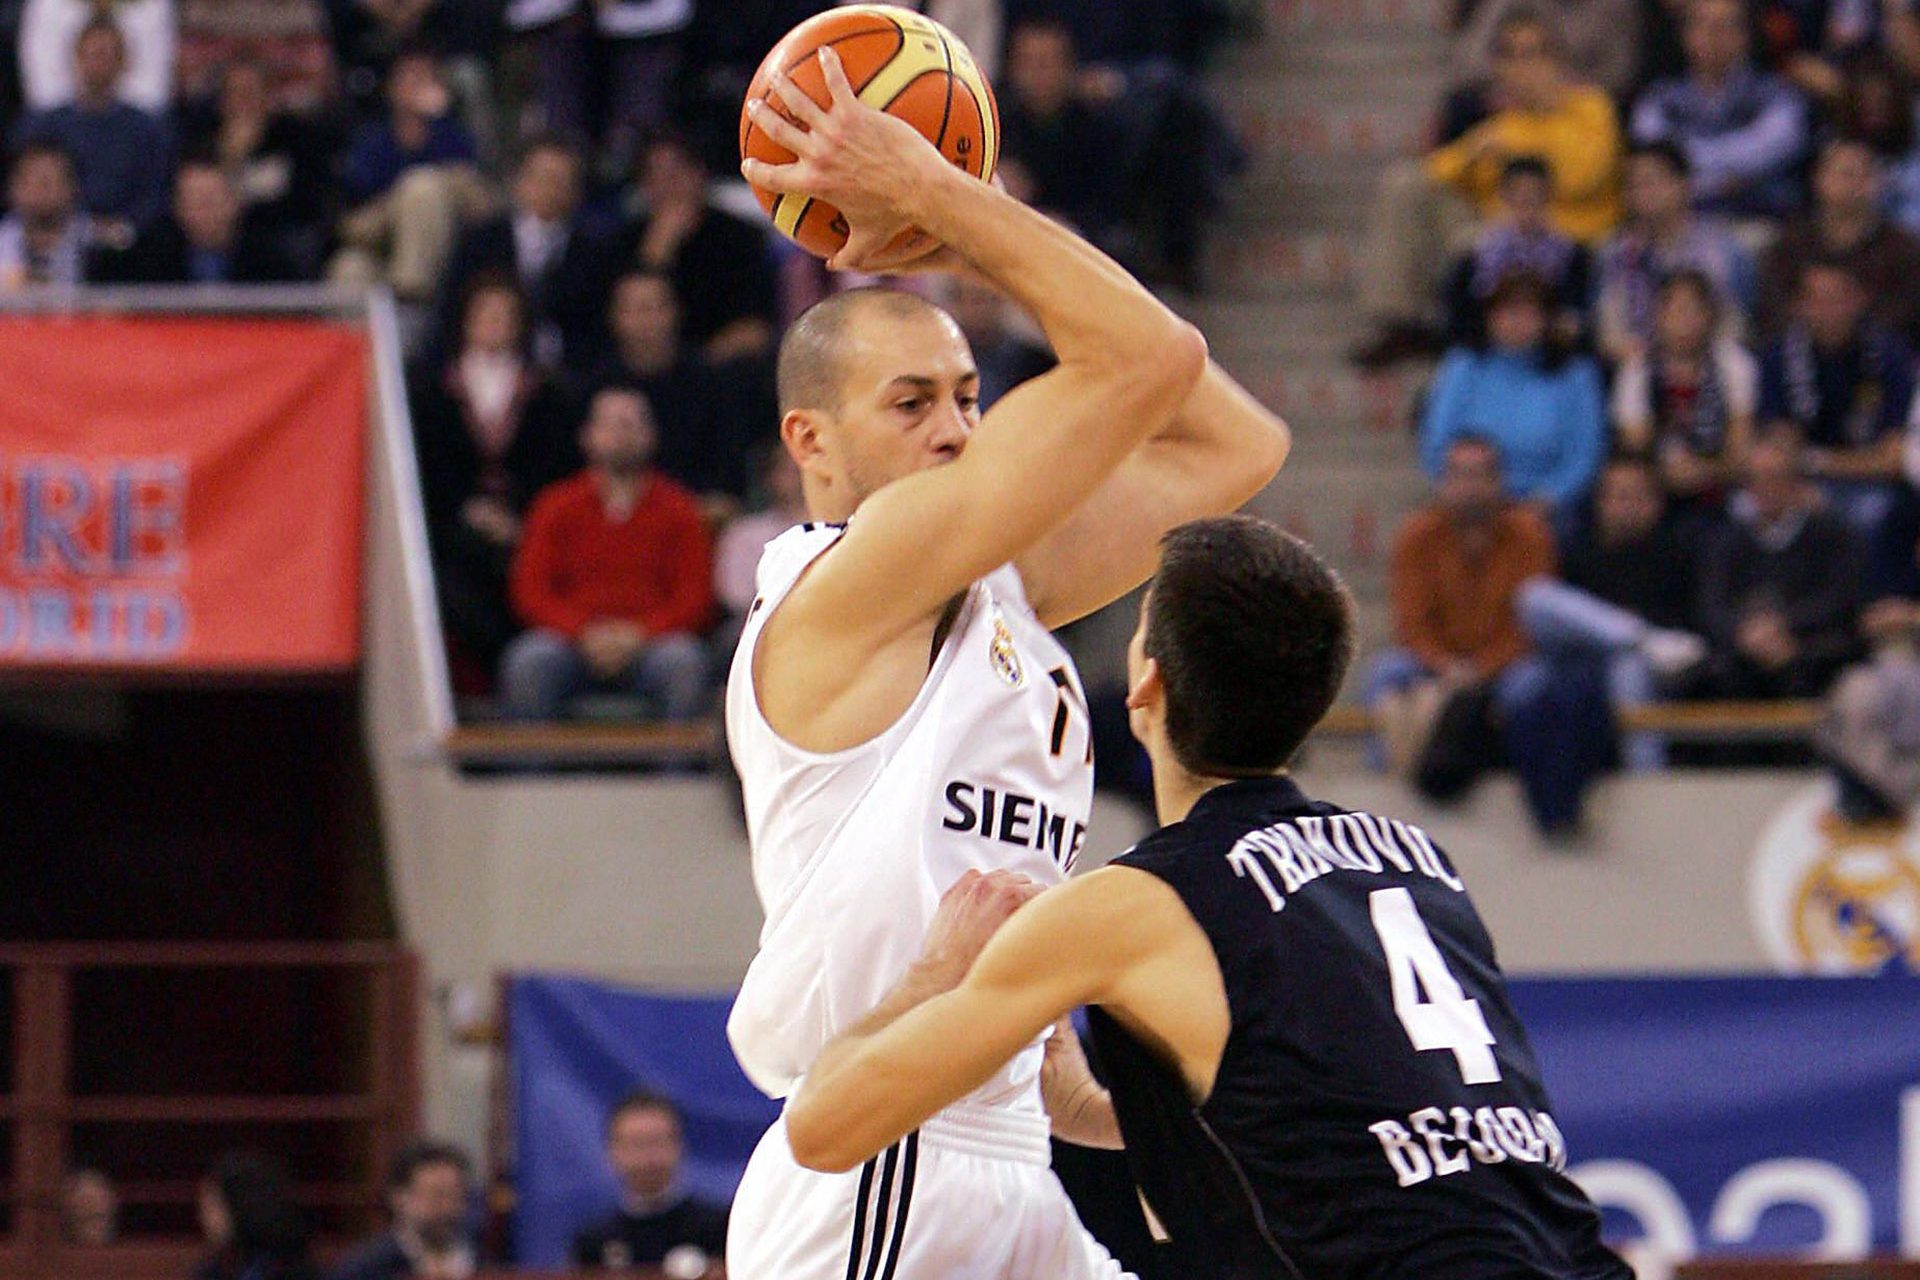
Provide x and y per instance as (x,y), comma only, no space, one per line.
(970,1196)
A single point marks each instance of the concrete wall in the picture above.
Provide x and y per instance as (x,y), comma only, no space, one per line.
(647,882)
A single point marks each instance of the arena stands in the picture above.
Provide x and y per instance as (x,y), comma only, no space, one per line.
(1640,275)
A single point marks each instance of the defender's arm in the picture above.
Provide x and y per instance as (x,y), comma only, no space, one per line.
(1114,937)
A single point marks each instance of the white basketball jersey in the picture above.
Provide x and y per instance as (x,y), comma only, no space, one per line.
(990,767)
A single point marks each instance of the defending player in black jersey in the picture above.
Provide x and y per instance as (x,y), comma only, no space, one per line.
(1312,1055)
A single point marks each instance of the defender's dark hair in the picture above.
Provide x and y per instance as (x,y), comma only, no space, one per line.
(643,1099)
(812,363)
(423,1153)
(1253,634)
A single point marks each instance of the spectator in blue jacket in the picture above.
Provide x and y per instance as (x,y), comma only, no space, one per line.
(1744,131)
(1543,409)
(414,180)
(1843,384)
(122,156)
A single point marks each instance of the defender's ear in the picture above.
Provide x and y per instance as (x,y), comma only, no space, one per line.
(1149,689)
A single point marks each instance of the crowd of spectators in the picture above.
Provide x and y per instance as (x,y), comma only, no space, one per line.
(1665,253)
(255,1224)
(589,298)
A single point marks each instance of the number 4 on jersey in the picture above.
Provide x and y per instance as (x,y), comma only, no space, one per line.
(1446,1018)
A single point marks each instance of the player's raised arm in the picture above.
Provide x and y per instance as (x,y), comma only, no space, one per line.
(1126,365)
(1219,450)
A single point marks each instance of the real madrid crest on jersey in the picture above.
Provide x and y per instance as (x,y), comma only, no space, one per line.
(1000,651)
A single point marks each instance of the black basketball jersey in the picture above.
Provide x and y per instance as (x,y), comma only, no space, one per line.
(1377,1112)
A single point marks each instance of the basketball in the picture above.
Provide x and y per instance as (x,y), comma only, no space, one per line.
(899,62)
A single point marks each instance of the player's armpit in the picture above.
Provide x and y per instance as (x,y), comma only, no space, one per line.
(1220,449)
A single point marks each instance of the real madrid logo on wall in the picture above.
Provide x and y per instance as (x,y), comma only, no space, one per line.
(1831,896)
(1000,652)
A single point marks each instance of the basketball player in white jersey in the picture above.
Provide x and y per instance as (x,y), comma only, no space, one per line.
(897,709)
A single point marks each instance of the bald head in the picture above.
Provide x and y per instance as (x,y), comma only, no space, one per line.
(812,370)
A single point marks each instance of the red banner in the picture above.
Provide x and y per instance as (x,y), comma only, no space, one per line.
(180,493)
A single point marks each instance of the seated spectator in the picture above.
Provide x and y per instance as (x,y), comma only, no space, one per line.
(122,156)
(1878,108)
(1058,137)
(1540,408)
(705,422)
(1869,734)
(540,239)
(429,1195)
(721,266)
(1662,236)
(657,1218)
(736,559)
(207,240)
(1744,131)
(1455,581)
(275,159)
(492,432)
(1814,43)
(46,239)
(1847,226)
(1004,357)
(252,1222)
(614,576)
(1779,583)
(1625,596)
(49,28)
(1844,385)
(413,182)
(1601,40)
(369,36)
(1427,209)
(89,1209)
(1519,238)
(1688,402)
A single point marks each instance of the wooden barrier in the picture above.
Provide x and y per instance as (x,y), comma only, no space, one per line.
(43,1107)
(614,744)
(1784,721)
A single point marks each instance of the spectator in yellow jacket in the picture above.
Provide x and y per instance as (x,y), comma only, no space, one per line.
(1427,209)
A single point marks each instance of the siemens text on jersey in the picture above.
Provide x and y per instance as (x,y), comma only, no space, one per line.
(1011,818)
(1298,852)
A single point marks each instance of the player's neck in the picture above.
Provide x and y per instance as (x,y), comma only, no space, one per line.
(1176,789)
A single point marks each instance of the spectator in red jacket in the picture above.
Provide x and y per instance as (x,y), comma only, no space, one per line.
(614,578)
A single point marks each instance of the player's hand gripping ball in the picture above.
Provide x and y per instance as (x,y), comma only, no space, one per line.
(896,61)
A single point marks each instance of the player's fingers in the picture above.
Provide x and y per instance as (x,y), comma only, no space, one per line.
(799,101)
(767,118)
(838,86)
(853,255)
(772,177)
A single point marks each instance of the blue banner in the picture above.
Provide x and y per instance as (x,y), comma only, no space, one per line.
(1752,1115)
(1706,1115)
(575,1048)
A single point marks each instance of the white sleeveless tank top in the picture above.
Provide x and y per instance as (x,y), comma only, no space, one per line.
(990,767)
